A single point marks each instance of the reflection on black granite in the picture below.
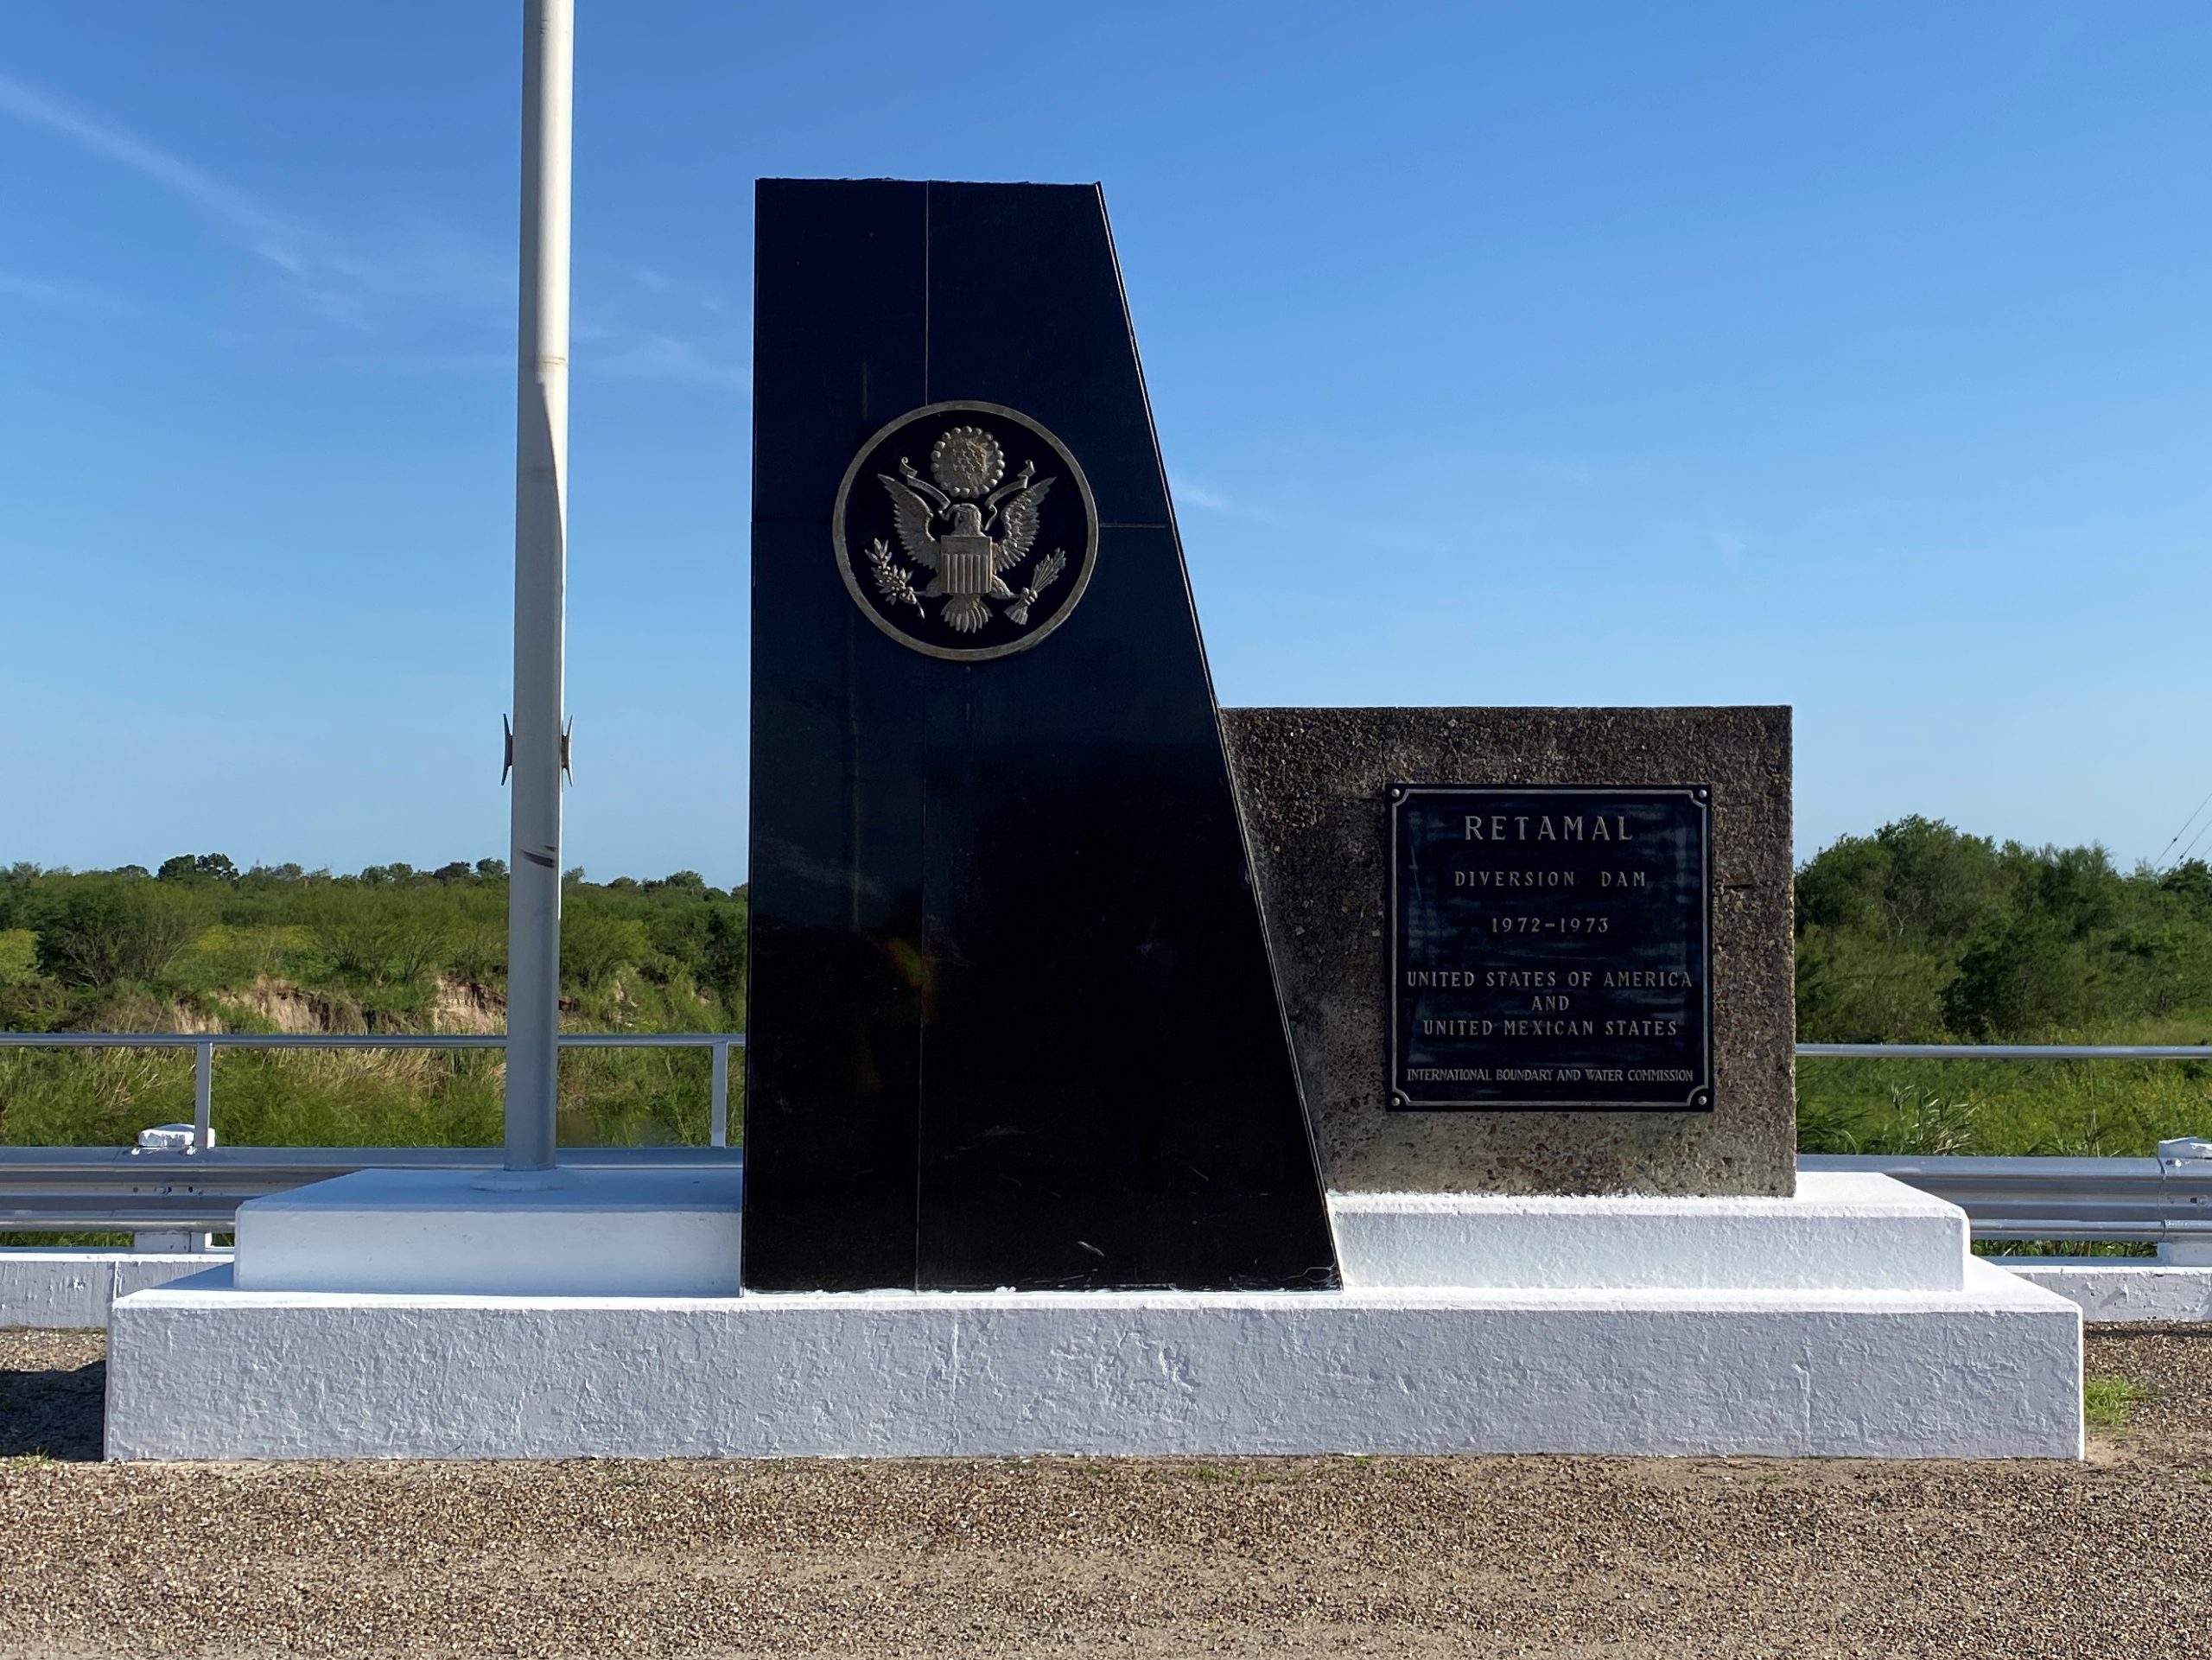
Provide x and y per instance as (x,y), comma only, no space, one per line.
(1014,1021)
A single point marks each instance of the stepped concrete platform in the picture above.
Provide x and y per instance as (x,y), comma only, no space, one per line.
(1858,1326)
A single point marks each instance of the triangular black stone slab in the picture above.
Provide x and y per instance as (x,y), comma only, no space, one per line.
(1012,1019)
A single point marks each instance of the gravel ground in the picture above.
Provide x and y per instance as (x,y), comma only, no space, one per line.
(1417,1557)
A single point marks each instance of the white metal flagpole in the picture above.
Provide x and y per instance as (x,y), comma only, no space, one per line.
(541,578)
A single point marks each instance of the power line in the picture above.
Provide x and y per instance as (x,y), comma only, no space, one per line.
(2185,823)
(2193,841)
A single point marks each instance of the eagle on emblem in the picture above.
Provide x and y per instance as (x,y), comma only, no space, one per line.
(989,528)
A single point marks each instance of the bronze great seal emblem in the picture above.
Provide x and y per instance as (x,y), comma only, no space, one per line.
(965,530)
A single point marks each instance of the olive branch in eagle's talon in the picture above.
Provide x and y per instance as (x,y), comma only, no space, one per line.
(1047,572)
(891,580)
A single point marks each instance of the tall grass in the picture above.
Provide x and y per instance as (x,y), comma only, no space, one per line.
(2070,1108)
(344,1098)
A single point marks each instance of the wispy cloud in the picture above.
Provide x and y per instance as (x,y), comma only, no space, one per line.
(433,264)
(1586,474)
(1720,537)
(656,327)
(63,295)
(340,283)
(1212,501)
(1845,515)
(266,231)
(650,355)
(1304,517)
(650,327)
(685,341)
(408,361)
(677,288)
(1824,529)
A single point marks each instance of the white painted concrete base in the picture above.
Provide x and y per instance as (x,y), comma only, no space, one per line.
(670,1232)
(71,1290)
(2120,1287)
(1985,1365)
(198,1369)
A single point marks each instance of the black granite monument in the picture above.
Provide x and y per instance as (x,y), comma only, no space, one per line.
(1014,1018)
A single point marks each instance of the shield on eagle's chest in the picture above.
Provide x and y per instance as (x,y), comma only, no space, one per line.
(964,562)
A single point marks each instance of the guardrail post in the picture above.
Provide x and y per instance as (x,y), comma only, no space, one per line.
(169,1242)
(718,1113)
(2185,1155)
(203,1095)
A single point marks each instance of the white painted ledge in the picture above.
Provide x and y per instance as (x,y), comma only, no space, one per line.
(2118,1287)
(71,1290)
(201,1370)
(670,1232)
(1855,1230)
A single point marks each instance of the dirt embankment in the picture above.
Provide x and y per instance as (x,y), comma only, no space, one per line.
(274,1005)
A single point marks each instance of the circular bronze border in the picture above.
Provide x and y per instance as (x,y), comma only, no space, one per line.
(984,653)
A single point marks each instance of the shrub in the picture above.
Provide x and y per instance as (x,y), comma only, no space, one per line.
(383,936)
(595,947)
(103,931)
(18,957)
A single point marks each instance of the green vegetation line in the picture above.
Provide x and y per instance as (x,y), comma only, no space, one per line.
(1918,933)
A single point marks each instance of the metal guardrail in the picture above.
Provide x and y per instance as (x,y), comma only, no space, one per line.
(2004,1050)
(2119,1200)
(200,1189)
(55,1189)
(129,1190)
(2145,1201)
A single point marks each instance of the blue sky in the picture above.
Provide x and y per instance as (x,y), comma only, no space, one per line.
(1855,358)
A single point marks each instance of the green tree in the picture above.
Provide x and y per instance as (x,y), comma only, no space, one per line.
(197,867)
(101,931)
(2028,981)
(728,933)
